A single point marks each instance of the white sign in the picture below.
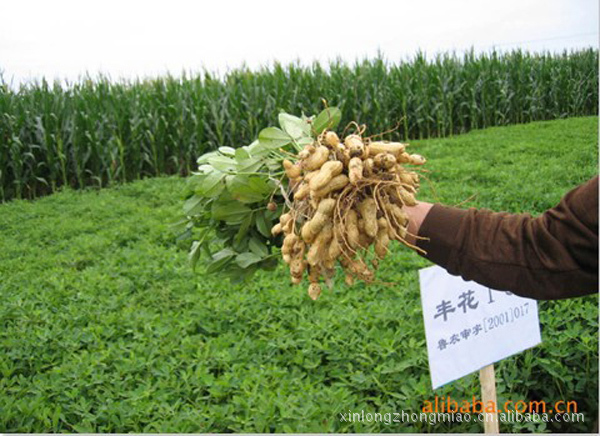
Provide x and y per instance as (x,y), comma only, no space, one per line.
(469,326)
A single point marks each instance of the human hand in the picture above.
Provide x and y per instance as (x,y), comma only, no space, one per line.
(416,216)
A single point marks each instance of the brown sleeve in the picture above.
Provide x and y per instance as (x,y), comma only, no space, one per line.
(550,257)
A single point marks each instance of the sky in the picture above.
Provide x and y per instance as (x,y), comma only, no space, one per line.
(64,39)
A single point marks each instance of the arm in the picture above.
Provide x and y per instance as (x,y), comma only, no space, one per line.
(549,257)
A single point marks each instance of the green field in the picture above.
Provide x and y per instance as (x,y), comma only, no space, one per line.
(105,328)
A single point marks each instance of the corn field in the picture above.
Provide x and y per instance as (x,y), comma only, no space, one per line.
(97,132)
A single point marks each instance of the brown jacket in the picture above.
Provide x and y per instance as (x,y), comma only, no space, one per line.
(550,257)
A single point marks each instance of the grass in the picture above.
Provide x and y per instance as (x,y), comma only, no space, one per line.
(104,327)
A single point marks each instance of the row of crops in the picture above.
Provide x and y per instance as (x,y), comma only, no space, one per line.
(95,132)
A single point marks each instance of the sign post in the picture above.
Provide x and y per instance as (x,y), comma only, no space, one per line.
(487,379)
(469,327)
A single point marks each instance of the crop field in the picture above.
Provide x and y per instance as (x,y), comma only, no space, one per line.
(106,328)
(96,132)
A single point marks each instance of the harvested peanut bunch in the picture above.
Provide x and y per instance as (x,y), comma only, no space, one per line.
(345,206)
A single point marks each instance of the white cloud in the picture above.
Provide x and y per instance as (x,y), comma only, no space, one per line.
(65,39)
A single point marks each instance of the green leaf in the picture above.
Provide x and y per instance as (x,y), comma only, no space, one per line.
(186,234)
(232,212)
(193,205)
(294,126)
(222,163)
(270,264)
(194,254)
(250,165)
(206,156)
(227,151)
(239,246)
(247,189)
(241,155)
(273,138)
(327,119)
(182,229)
(192,184)
(239,275)
(212,184)
(244,260)
(258,150)
(179,226)
(274,166)
(260,185)
(243,230)
(257,246)
(252,148)
(220,260)
(204,169)
(263,225)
